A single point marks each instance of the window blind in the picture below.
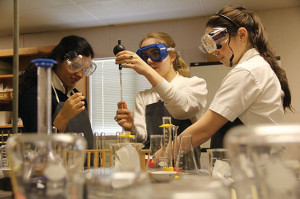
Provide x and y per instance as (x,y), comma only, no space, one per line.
(104,93)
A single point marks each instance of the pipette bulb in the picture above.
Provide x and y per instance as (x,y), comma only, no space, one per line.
(118,48)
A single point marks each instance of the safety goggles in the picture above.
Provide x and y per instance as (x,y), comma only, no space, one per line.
(79,63)
(156,52)
(214,40)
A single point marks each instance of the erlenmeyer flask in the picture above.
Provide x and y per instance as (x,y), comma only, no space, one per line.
(35,175)
(185,161)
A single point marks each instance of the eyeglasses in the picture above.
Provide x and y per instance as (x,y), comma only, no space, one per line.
(156,52)
(214,40)
(79,63)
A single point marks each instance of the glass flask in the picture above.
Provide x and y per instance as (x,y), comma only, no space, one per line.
(186,161)
(37,175)
(265,160)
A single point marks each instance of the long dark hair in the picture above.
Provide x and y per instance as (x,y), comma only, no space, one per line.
(67,45)
(257,38)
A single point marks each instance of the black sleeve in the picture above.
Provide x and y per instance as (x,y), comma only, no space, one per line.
(28,110)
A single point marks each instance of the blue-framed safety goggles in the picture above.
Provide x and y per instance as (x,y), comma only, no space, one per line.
(156,52)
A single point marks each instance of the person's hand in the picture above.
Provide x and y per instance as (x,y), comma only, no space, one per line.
(72,107)
(129,59)
(124,117)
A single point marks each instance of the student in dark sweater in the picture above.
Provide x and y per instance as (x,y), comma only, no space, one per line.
(69,107)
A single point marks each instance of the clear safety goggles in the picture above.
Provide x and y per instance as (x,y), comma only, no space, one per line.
(79,63)
(156,52)
(214,40)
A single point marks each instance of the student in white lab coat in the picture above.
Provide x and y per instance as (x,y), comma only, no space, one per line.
(255,91)
(173,93)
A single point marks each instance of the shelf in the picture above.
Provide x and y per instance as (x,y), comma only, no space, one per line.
(25,55)
(6,61)
(27,51)
(5,101)
(9,76)
(9,126)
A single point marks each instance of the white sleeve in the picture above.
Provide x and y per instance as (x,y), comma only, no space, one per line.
(185,101)
(238,91)
(140,119)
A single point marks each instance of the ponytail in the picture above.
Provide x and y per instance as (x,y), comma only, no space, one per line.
(179,65)
(259,41)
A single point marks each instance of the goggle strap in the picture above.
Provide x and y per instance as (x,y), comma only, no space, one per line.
(169,49)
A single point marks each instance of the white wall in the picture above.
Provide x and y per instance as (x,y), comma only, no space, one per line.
(283,28)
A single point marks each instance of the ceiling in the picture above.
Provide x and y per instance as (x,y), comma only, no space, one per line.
(51,15)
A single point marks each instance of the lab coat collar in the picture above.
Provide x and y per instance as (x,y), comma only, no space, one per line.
(56,82)
(249,54)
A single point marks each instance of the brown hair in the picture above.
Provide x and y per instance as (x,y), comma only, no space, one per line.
(257,37)
(178,64)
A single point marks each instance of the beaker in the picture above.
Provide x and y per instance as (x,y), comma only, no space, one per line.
(185,160)
(155,162)
(219,158)
(126,156)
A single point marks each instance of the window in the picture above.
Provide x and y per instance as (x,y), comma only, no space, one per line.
(105,93)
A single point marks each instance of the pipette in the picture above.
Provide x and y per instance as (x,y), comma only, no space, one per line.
(118,48)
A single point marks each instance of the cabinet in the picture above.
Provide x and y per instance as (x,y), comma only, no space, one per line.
(6,81)
(5,92)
